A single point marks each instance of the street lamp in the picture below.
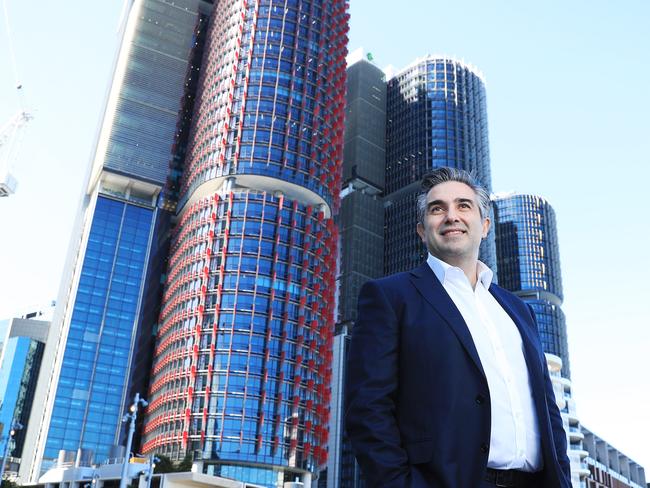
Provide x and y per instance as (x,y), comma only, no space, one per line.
(152,465)
(14,427)
(130,417)
(94,480)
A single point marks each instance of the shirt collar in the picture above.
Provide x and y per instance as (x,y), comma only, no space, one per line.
(441,269)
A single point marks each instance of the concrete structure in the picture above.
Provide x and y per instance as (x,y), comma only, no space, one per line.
(80,474)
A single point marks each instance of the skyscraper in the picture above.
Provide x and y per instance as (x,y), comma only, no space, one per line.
(362,235)
(436,116)
(362,206)
(242,362)
(107,304)
(528,259)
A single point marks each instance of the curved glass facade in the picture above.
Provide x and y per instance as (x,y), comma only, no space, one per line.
(436,116)
(529,264)
(244,347)
(551,324)
(272,94)
(527,245)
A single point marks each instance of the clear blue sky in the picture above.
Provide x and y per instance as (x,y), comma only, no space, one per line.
(568,86)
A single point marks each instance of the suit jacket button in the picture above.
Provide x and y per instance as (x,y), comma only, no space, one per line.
(484,448)
(480,399)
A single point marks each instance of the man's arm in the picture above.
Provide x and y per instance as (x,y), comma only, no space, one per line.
(371,390)
(557,427)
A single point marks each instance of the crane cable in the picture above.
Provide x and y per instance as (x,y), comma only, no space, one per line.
(12,54)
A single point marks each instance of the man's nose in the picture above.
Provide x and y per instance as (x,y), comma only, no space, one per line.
(452,215)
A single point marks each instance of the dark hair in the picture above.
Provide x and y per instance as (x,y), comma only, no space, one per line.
(445,174)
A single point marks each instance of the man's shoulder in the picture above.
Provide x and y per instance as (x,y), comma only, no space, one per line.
(397,285)
(399,279)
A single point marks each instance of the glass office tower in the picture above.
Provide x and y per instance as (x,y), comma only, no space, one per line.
(361,221)
(528,258)
(244,346)
(362,208)
(436,116)
(22,342)
(101,330)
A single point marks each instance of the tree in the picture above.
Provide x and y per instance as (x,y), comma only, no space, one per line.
(166,465)
(185,464)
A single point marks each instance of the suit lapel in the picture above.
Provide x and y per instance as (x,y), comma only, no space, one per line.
(434,293)
(531,351)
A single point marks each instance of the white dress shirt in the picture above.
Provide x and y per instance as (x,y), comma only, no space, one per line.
(515,439)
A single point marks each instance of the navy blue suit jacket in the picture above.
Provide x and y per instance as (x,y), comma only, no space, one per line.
(418,403)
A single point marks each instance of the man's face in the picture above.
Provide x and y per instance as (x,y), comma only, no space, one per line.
(453,227)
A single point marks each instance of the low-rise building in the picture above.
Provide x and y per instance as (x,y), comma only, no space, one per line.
(608,467)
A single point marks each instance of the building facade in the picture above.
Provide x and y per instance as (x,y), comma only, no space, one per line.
(362,208)
(528,258)
(101,331)
(22,342)
(361,221)
(244,345)
(436,116)
(608,467)
(565,402)
(431,114)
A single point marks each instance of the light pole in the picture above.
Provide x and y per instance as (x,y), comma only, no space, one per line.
(130,417)
(14,427)
(94,480)
(152,465)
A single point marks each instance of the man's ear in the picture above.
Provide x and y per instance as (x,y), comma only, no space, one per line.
(486,226)
(420,229)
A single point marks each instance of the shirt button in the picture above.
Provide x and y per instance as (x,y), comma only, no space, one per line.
(480,399)
(484,448)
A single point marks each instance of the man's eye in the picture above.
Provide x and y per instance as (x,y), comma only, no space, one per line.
(465,205)
(435,210)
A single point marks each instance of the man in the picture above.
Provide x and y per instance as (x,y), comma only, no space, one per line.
(447,382)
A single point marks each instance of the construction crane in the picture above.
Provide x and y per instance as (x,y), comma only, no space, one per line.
(12,131)
(10,138)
